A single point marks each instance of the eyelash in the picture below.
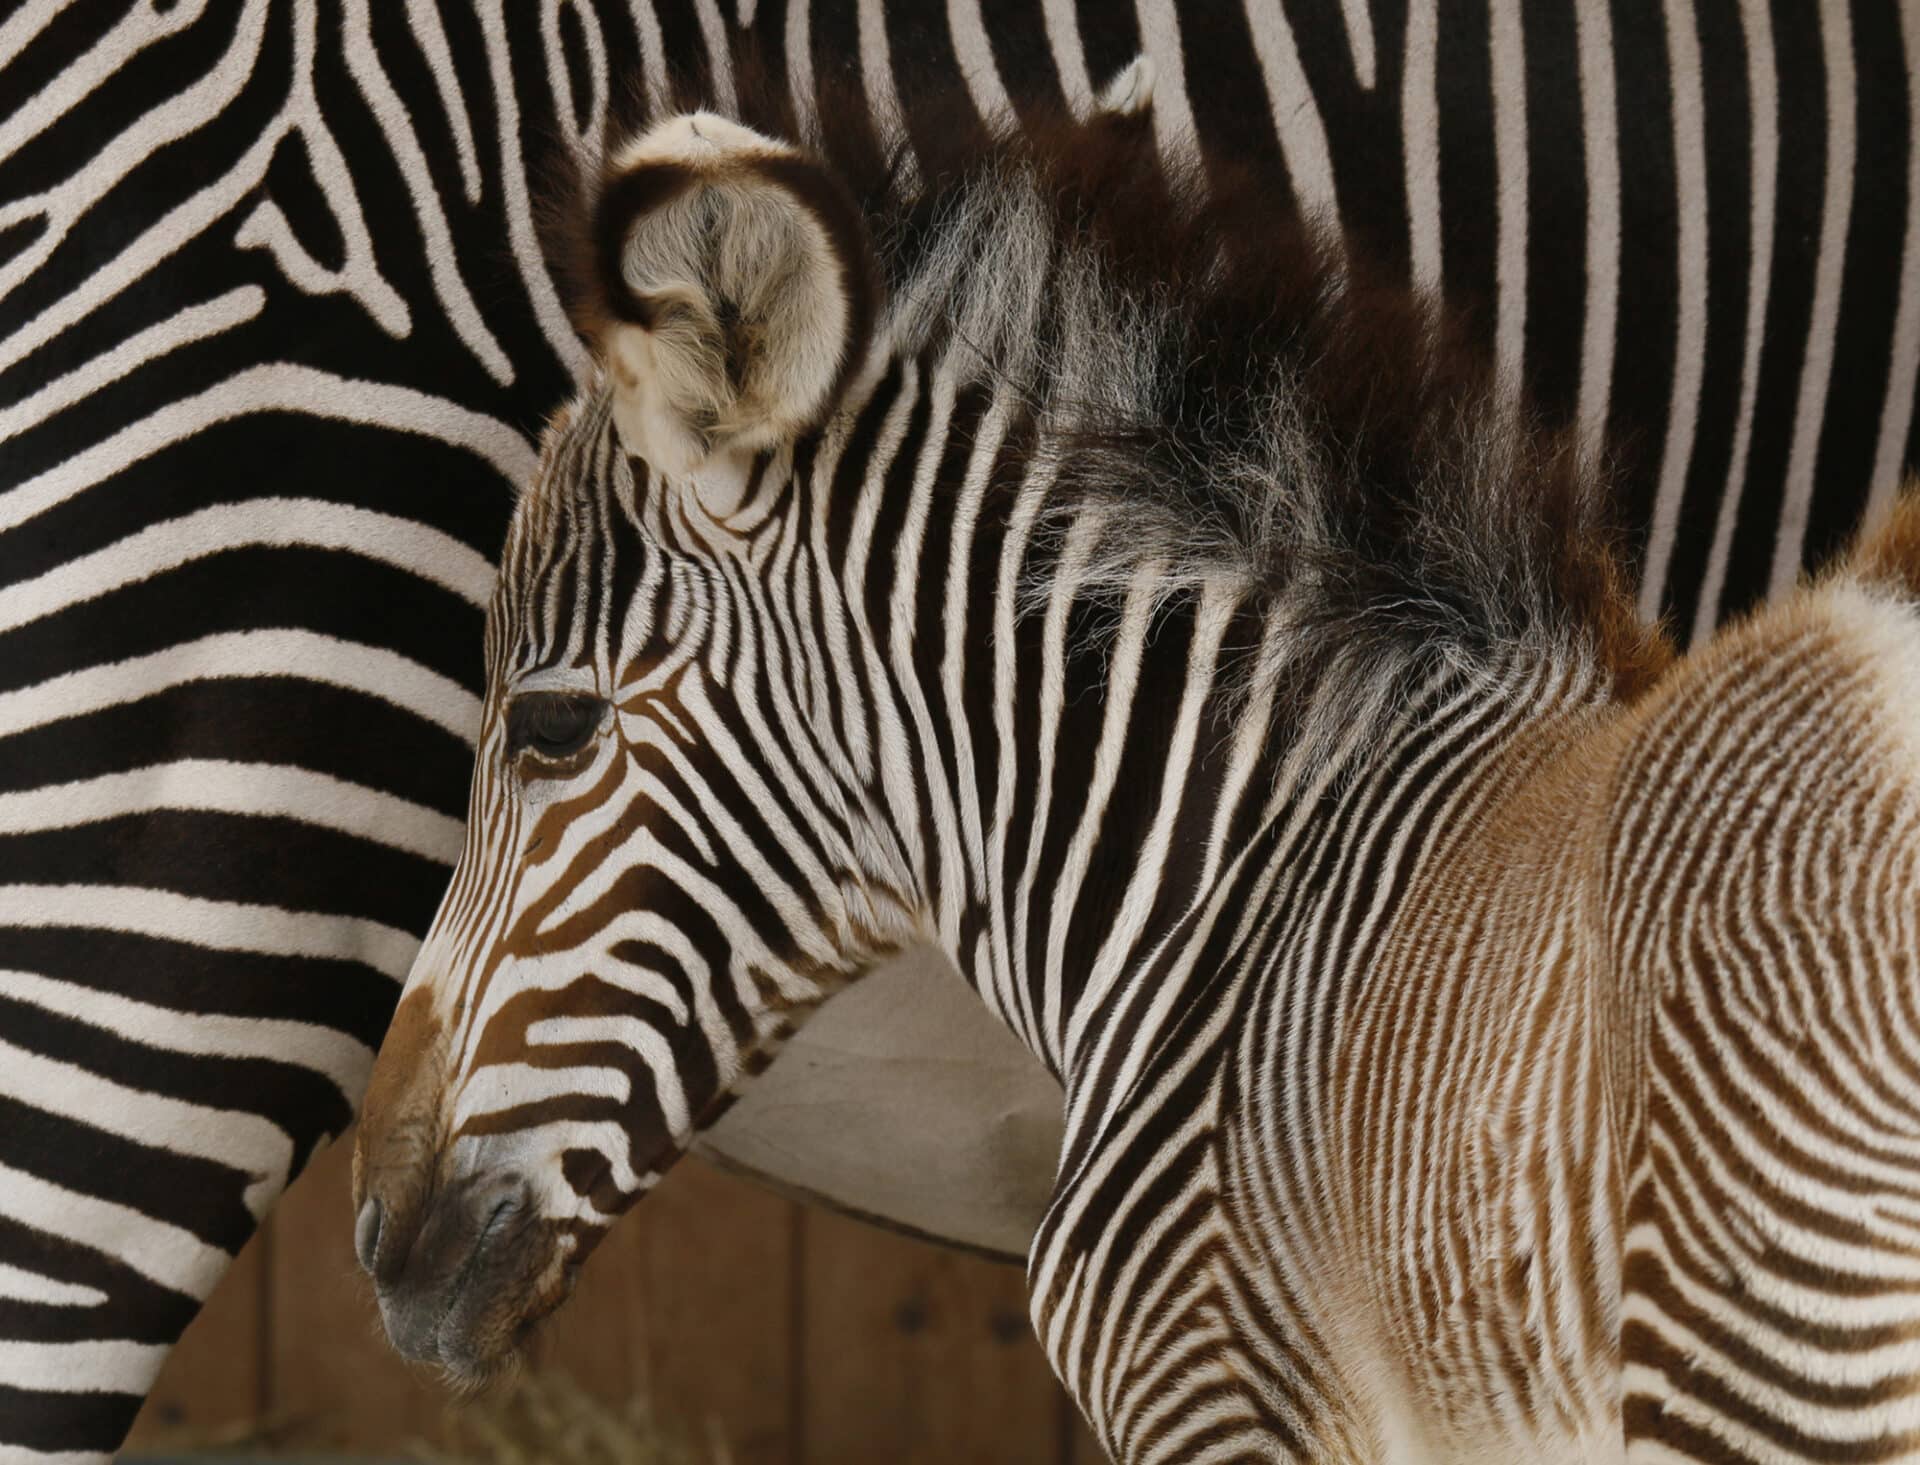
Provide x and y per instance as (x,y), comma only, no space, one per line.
(553,725)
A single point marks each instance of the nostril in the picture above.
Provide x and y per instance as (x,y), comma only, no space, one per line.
(497,1207)
(366,1234)
(499,1215)
(497,1204)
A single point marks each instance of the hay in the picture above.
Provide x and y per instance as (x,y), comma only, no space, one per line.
(542,1418)
(548,1419)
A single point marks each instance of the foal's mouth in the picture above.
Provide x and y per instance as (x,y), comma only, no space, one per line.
(462,1302)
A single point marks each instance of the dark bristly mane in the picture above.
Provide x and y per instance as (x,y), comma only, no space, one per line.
(1254,402)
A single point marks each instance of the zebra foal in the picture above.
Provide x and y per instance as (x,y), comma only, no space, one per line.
(1484,1036)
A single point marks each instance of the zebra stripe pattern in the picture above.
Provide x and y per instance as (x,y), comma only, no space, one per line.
(234,710)
(1483,1033)
(1770,1215)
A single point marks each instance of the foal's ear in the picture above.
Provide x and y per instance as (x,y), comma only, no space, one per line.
(737,287)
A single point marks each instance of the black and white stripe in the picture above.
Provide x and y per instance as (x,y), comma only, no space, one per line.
(275,335)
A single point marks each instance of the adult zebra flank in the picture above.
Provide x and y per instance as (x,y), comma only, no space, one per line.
(236,706)
(1485,1037)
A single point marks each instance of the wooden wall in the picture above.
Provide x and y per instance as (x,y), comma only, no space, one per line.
(800,1337)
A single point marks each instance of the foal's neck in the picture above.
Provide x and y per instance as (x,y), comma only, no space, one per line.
(1139,788)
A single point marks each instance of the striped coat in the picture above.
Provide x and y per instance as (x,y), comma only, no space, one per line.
(236,707)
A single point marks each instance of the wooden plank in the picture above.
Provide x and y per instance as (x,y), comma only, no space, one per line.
(212,1387)
(915,1354)
(331,1378)
(689,1304)
(781,1336)
(1081,1447)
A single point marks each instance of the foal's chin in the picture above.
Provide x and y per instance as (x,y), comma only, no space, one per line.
(476,1329)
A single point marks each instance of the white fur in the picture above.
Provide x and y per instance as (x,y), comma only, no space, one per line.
(1885,633)
(734,242)
(1131,91)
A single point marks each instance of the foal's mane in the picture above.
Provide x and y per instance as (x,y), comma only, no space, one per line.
(1251,400)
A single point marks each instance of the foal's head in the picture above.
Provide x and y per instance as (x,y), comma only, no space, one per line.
(667,862)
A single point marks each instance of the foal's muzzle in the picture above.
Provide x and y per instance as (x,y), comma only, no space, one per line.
(454,1275)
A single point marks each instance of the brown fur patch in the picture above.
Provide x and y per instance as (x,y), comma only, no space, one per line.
(394,1099)
(1890,554)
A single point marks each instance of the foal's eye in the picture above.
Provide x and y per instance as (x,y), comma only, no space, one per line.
(553,724)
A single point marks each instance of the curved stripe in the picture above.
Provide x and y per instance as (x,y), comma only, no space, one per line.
(278,387)
(1359,23)
(338,1057)
(194,323)
(71,198)
(1069,58)
(442,259)
(162,1253)
(260,790)
(1763,92)
(138,29)
(405,544)
(1690,338)
(1173,127)
(877,80)
(358,274)
(798,43)
(555,327)
(1181,1274)
(653,50)
(1903,369)
(17,1285)
(423,23)
(302,655)
(29,21)
(1816,367)
(1507,80)
(1420,143)
(222,925)
(975,54)
(232,1137)
(638,1037)
(1600,143)
(75,1368)
(1296,121)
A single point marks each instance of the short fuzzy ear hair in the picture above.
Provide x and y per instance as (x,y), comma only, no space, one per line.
(735,291)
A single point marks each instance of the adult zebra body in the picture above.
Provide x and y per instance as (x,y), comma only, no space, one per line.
(299,234)
(1483,1036)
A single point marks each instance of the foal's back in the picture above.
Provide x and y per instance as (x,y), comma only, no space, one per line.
(1762,910)
(1614,1150)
